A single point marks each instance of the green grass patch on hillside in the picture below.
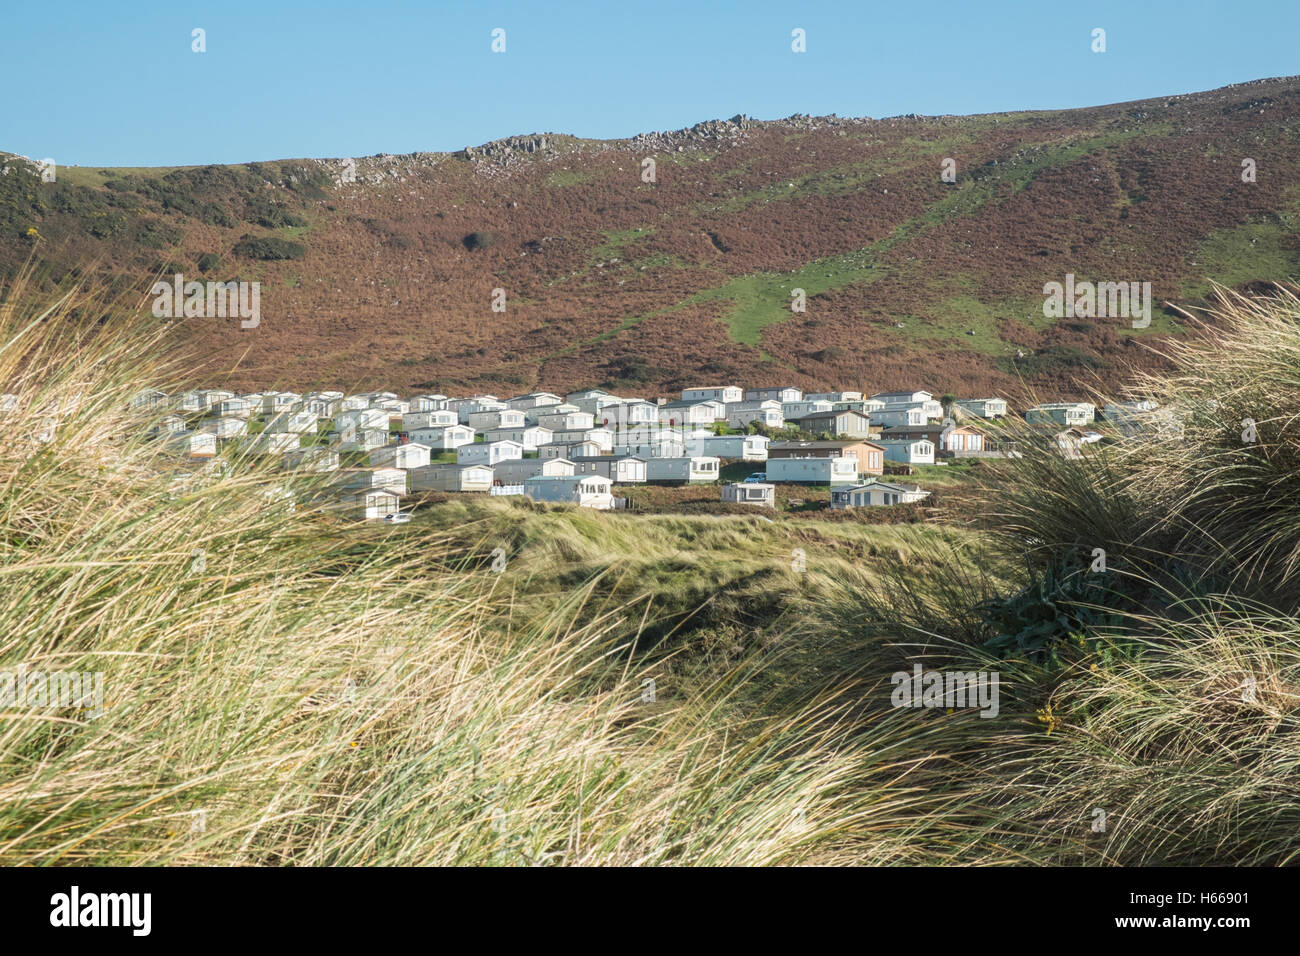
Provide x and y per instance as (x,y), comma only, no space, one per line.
(98,175)
(956,316)
(561,178)
(1256,250)
(617,239)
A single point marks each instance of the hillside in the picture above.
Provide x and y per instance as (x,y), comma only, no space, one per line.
(387,281)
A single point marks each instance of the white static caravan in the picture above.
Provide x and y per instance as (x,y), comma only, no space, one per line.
(566,421)
(1144,419)
(601,407)
(482,421)
(465,407)
(318,407)
(983,407)
(662,448)
(876,494)
(364,439)
(524,403)
(443,439)
(767,412)
(864,405)
(299,422)
(845,421)
(359,418)
(691,414)
(450,477)
(834,397)
(235,407)
(390,479)
(758,493)
(577,449)
(723,394)
(891,416)
(585,491)
(903,398)
(271,443)
(741,447)
(410,455)
(932,408)
(149,398)
(226,427)
(429,403)
(1062,413)
(429,418)
(168,425)
(488,452)
(778,395)
(587,394)
(631,413)
(813,471)
(371,503)
(601,436)
(312,459)
(191,401)
(909,451)
(212,397)
(193,444)
(620,469)
(530,436)
(516,470)
(275,402)
(804,407)
(699,469)
(649,433)
(635,411)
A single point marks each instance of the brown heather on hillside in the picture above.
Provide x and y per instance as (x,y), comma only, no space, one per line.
(652,287)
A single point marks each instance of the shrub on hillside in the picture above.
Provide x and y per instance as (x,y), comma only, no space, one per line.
(271,215)
(1053,359)
(269,248)
(480,240)
(632,370)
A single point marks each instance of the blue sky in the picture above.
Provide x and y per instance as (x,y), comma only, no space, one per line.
(91,83)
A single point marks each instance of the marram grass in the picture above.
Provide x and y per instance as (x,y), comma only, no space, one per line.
(283,687)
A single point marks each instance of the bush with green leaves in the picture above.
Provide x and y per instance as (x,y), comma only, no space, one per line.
(269,248)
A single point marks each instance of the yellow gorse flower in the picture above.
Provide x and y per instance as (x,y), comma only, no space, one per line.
(1045,716)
